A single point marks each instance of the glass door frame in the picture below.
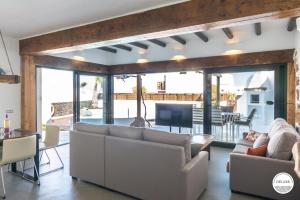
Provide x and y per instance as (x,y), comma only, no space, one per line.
(107,96)
(280,88)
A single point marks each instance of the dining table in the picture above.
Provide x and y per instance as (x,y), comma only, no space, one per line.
(18,133)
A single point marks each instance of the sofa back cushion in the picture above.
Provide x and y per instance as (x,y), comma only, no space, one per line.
(276,126)
(281,144)
(126,132)
(91,128)
(183,140)
(274,122)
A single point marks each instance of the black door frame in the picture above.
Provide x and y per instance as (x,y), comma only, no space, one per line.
(107,96)
(280,87)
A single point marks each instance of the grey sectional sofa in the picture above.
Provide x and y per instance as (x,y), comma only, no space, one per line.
(254,175)
(143,163)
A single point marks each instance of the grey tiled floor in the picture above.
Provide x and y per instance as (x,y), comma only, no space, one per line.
(60,186)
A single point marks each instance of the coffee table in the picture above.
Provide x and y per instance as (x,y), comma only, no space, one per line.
(201,143)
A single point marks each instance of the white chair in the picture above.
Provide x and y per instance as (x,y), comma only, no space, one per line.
(51,141)
(17,150)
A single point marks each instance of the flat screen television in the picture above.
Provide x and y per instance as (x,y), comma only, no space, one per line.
(177,115)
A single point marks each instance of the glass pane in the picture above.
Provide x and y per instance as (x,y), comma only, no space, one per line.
(55,102)
(125,106)
(172,88)
(246,102)
(91,99)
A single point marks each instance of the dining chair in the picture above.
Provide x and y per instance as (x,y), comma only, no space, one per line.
(51,141)
(17,150)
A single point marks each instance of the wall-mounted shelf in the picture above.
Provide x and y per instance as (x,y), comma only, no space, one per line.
(11,79)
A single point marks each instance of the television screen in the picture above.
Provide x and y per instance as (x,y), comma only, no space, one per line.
(178,115)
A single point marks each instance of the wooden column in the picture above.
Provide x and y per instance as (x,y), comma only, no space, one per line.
(206,102)
(291,95)
(28,93)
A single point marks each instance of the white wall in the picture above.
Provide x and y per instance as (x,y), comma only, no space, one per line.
(298,48)
(10,94)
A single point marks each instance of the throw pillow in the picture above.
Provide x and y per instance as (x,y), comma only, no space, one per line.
(261,140)
(251,136)
(258,151)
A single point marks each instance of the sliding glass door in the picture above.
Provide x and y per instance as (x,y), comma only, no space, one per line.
(55,101)
(241,101)
(90,103)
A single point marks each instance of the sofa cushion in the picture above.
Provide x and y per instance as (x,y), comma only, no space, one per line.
(91,128)
(281,144)
(126,132)
(183,140)
(261,140)
(241,149)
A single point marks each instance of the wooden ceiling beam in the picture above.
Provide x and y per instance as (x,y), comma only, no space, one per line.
(158,42)
(179,39)
(108,49)
(123,47)
(69,64)
(181,18)
(257,27)
(228,33)
(196,64)
(140,45)
(202,36)
(292,25)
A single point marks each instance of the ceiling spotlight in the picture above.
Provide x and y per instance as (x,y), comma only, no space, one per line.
(78,58)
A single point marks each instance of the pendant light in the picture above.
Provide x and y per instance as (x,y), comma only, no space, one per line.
(5,78)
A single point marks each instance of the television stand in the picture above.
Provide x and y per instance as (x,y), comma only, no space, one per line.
(179,128)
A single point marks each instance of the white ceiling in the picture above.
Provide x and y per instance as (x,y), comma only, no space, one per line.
(26,18)
(274,37)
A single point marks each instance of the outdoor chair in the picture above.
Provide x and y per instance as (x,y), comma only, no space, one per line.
(217,120)
(198,118)
(245,121)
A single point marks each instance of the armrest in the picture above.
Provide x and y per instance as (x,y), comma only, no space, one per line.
(254,175)
(195,176)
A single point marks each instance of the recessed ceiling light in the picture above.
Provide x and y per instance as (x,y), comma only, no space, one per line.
(179,58)
(232,52)
(79,58)
(142,60)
